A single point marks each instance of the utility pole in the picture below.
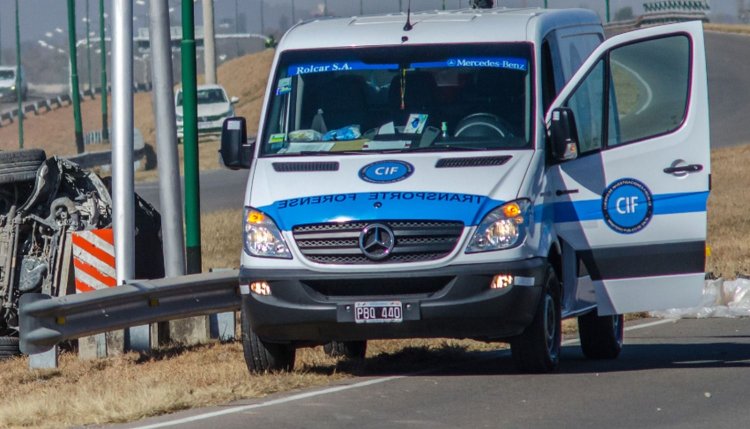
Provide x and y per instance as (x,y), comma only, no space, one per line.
(88,47)
(262,26)
(209,51)
(607,11)
(19,94)
(166,140)
(103,46)
(190,140)
(76,94)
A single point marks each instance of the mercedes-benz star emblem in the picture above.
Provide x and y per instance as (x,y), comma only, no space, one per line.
(376,241)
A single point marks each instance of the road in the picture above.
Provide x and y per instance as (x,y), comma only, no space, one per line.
(220,190)
(684,374)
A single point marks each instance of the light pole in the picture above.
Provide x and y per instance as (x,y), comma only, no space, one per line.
(607,1)
(18,80)
(190,140)
(261,17)
(103,46)
(76,95)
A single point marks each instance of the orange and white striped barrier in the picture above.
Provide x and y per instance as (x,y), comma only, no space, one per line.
(94,259)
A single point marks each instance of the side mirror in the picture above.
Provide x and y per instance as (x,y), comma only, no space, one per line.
(563,134)
(236,152)
(234,100)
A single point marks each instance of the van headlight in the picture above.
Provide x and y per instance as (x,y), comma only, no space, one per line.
(502,228)
(261,236)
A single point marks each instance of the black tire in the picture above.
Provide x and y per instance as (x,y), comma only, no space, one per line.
(20,166)
(262,356)
(9,347)
(601,336)
(346,349)
(537,349)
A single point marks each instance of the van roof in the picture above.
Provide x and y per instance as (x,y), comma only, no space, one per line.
(456,26)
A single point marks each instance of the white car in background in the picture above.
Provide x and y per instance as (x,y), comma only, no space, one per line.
(8,84)
(213,107)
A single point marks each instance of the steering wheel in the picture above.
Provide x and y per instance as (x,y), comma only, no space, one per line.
(485,125)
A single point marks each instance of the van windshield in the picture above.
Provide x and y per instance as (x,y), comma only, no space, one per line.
(7,74)
(415,98)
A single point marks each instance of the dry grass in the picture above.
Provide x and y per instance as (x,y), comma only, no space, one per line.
(728,222)
(727,28)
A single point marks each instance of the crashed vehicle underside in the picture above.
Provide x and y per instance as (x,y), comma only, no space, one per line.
(42,201)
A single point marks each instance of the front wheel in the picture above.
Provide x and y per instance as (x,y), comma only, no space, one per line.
(262,356)
(537,349)
(601,336)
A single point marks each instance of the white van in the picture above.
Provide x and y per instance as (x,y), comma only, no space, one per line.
(472,174)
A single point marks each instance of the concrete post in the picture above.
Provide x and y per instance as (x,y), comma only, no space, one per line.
(209,51)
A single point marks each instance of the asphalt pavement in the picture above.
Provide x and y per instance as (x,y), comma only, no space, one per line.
(684,374)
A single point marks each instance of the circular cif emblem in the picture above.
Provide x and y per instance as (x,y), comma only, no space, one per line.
(386,171)
(376,241)
(627,205)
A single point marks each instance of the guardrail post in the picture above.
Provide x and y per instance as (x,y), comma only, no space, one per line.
(45,360)
(222,326)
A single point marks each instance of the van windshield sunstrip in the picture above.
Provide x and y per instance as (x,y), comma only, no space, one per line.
(416,98)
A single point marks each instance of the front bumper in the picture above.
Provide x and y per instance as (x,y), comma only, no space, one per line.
(454,302)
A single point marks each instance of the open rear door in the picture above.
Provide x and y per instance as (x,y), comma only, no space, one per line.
(632,204)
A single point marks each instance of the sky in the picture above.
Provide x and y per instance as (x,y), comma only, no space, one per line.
(39,17)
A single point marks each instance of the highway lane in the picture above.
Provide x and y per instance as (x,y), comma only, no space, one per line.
(728,88)
(684,374)
(220,190)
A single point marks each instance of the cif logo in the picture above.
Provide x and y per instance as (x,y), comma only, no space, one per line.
(627,205)
(386,171)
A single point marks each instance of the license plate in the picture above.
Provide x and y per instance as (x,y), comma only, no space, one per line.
(378,312)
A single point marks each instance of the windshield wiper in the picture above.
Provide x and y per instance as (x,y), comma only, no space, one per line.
(447,148)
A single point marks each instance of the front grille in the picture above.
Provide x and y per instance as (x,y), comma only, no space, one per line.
(415,241)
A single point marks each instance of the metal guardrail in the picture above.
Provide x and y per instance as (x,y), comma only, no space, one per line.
(47,321)
(57,101)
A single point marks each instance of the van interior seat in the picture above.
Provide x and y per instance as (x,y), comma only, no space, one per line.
(343,101)
(420,95)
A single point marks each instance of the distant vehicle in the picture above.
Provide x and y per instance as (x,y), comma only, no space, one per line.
(213,107)
(8,84)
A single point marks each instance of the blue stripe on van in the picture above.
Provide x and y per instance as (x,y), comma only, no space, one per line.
(445,206)
(664,204)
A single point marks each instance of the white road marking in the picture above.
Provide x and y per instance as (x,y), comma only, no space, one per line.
(646,86)
(629,328)
(330,390)
(287,399)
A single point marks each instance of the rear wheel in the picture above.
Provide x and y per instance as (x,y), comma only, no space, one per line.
(262,356)
(9,347)
(537,349)
(346,349)
(20,166)
(601,336)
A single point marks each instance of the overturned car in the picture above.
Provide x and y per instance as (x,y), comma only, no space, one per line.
(43,201)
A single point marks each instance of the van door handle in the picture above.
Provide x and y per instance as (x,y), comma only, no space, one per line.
(561,192)
(683,169)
